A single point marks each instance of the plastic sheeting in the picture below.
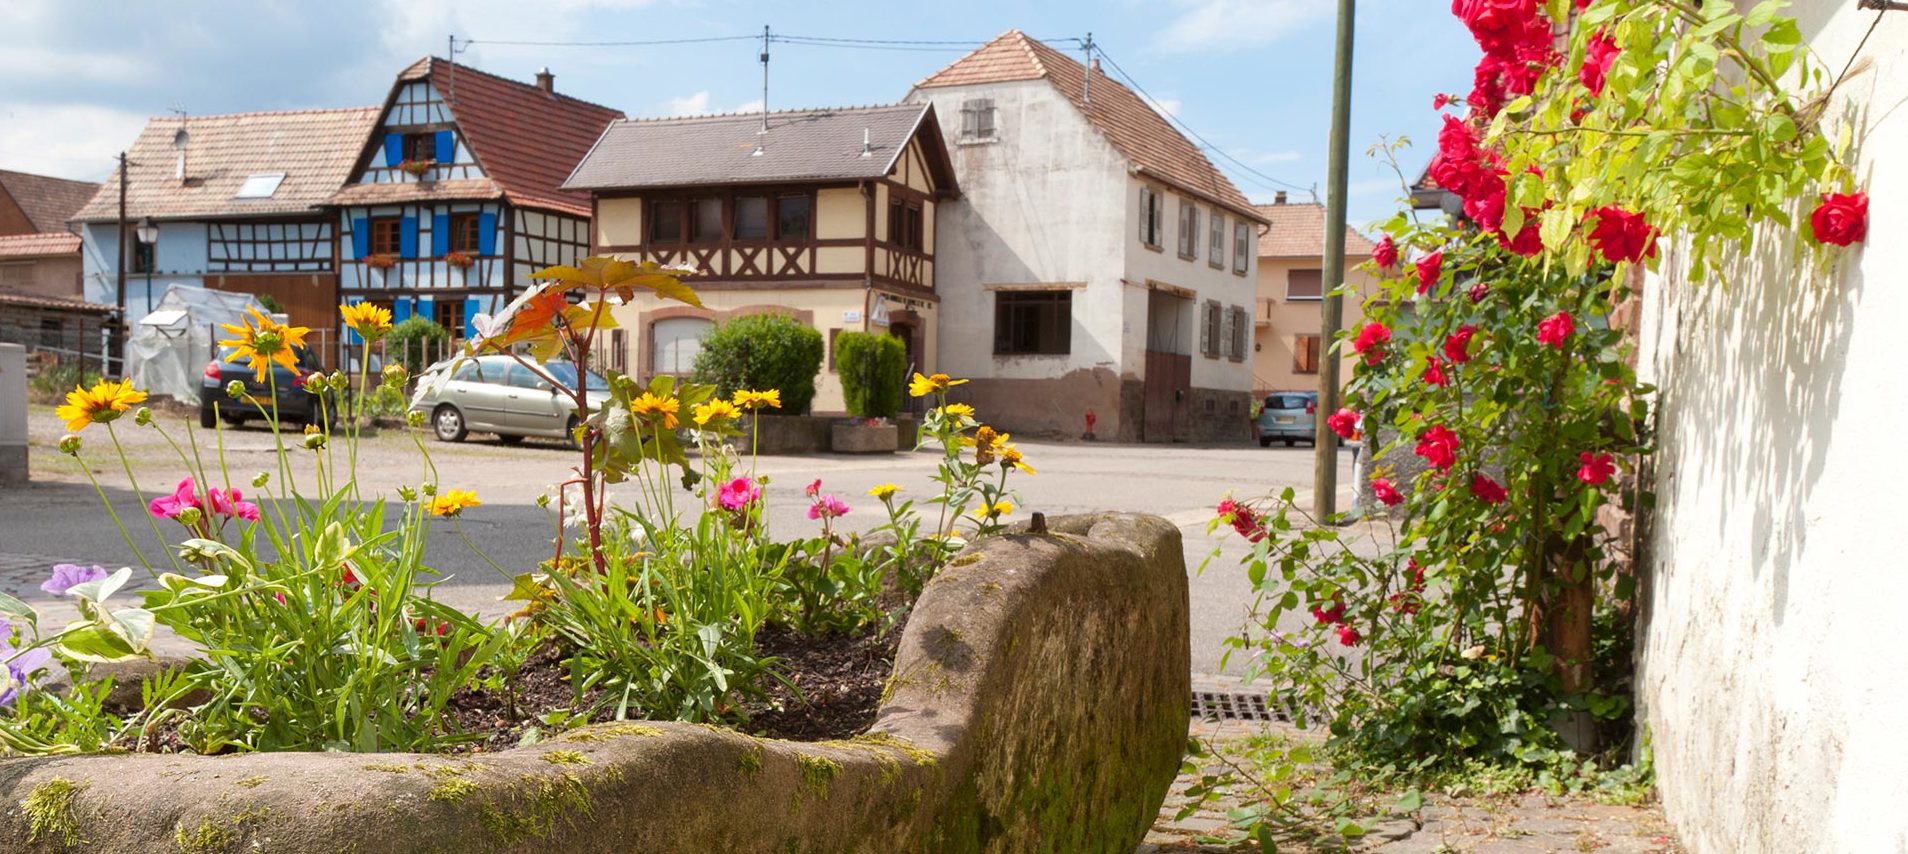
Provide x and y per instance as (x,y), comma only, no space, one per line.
(169,358)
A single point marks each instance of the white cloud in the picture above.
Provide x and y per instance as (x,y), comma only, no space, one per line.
(87,138)
(1169,106)
(754,106)
(692,105)
(1222,24)
(1259,158)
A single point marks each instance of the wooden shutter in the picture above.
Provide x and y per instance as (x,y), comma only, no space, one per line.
(393,149)
(440,234)
(446,146)
(360,237)
(407,237)
(487,234)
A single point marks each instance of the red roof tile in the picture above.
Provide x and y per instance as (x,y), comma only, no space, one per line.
(22,299)
(1135,129)
(385,194)
(39,245)
(48,202)
(1298,231)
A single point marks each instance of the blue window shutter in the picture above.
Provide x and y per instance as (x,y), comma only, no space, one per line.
(407,237)
(393,149)
(440,234)
(360,237)
(487,234)
(351,335)
(424,308)
(472,307)
(446,146)
(400,310)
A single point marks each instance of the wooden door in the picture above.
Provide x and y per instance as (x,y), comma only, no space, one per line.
(1168,397)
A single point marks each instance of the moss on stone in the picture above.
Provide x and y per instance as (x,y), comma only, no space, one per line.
(49,811)
(215,835)
(251,782)
(817,772)
(552,799)
(386,767)
(751,761)
(565,757)
(594,733)
(451,790)
(921,756)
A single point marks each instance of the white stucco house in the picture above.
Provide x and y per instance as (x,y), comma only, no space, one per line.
(1096,260)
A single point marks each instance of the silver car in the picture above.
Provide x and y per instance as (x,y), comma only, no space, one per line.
(496,394)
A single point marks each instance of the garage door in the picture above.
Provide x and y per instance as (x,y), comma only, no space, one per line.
(675,342)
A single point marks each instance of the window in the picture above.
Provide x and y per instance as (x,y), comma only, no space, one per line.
(1303,284)
(1305,354)
(792,216)
(1241,323)
(385,231)
(1150,213)
(259,185)
(665,222)
(142,257)
(977,118)
(751,218)
(1033,323)
(450,315)
(674,343)
(521,377)
(1241,247)
(1188,229)
(904,224)
(705,221)
(1216,243)
(1209,332)
(464,233)
(419,147)
(472,372)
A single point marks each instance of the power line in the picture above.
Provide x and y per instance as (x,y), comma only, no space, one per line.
(1206,143)
(645,43)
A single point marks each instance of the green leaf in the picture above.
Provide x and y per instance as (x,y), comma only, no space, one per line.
(16,609)
(1763,12)
(93,642)
(1409,802)
(136,625)
(97,591)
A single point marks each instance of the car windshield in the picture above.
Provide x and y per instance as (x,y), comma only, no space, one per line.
(1288,401)
(565,373)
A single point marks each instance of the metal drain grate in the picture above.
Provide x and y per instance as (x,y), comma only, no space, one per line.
(1237,706)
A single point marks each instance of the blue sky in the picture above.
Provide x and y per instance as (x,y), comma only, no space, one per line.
(79,77)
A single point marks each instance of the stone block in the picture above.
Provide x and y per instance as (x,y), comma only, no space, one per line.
(851,437)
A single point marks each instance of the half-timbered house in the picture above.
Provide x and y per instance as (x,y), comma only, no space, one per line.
(824,215)
(455,200)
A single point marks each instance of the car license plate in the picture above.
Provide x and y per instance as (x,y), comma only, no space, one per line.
(1285,419)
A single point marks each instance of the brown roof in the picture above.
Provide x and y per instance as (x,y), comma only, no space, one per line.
(313,148)
(801,145)
(48,202)
(22,299)
(1298,231)
(1135,129)
(384,194)
(527,140)
(39,245)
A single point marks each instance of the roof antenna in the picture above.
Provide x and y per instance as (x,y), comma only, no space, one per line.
(765,52)
(1086,97)
(867,144)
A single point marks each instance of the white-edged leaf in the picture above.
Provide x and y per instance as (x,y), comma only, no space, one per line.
(14,608)
(97,590)
(136,625)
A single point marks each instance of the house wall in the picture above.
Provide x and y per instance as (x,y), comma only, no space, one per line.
(421,279)
(290,259)
(1770,672)
(1278,322)
(52,276)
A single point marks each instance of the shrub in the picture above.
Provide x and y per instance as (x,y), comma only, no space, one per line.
(873,370)
(763,351)
(416,343)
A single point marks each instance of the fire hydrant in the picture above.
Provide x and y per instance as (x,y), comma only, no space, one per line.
(1090,419)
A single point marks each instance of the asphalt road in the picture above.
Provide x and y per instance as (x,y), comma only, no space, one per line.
(58,517)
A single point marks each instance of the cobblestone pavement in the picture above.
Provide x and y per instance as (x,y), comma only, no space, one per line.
(1532,823)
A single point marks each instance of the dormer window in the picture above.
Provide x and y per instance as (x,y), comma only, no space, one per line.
(977,118)
(420,147)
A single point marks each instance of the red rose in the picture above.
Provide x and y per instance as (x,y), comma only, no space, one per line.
(1596,468)
(1438,446)
(1527,242)
(1500,25)
(1371,340)
(1439,101)
(1487,490)
(1621,235)
(1598,56)
(1385,253)
(1343,422)
(1430,267)
(1333,614)
(1416,572)
(1479,291)
(1553,330)
(1385,492)
(1434,373)
(1584,4)
(1457,346)
(1348,635)
(1840,218)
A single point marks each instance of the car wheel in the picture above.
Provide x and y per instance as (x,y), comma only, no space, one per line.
(449,424)
(1289,442)
(1265,441)
(208,419)
(509,438)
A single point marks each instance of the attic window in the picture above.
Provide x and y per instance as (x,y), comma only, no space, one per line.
(977,118)
(259,185)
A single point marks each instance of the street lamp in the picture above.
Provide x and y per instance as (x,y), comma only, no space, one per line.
(148,232)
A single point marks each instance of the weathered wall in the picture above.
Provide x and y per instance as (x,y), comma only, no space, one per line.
(47,275)
(1279,320)
(1038,703)
(1771,679)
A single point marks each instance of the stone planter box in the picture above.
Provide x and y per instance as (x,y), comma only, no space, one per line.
(854,437)
(1038,703)
(786,434)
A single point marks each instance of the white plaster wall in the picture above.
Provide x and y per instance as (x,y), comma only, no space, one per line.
(1195,274)
(1042,204)
(1772,679)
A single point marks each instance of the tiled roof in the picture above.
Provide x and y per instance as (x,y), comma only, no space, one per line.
(384,194)
(314,148)
(39,245)
(527,140)
(1298,231)
(48,202)
(801,145)
(11,297)
(1135,129)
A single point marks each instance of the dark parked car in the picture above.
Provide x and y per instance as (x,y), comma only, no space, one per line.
(295,405)
(1288,415)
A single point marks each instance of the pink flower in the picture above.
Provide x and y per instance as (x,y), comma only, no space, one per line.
(1479,291)
(1385,492)
(1385,254)
(813,489)
(1487,490)
(1371,341)
(1596,468)
(1598,56)
(1344,422)
(1434,373)
(1840,218)
(827,507)
(1457,346)
(1438,446)
(1430,267)
(231,503)
(738,493)
(1621,235)
(1555,329)
(170,506)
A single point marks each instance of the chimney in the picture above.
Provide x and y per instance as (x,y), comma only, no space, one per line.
(867,144)
(545,80)
(1096,66)
(1278,198)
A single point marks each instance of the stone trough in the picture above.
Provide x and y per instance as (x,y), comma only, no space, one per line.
(1038,703)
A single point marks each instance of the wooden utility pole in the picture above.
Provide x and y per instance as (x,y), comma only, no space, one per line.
(119,290)
(1325,442)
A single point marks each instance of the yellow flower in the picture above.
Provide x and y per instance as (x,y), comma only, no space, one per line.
(265,343)
(922,386)
(370,321)
(99,404)
(664,408)
(958,410)
(453,502)
(771,399)
(714,410)
(1010,456)
(994,510)
(987,444)
(884,491)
